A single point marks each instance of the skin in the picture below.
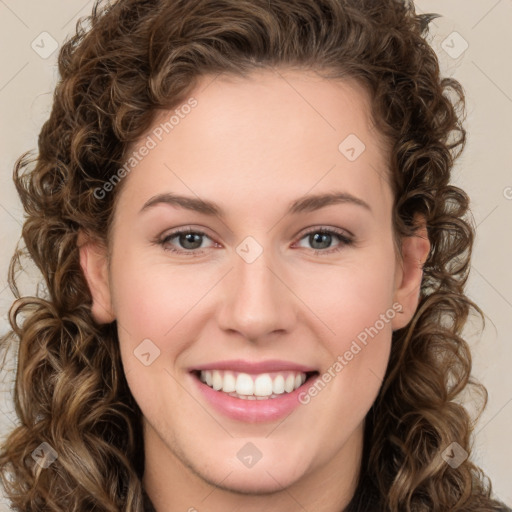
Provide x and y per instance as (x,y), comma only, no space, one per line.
(254,145)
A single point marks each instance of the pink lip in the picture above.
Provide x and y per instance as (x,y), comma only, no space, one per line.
(253,411)
(239,365)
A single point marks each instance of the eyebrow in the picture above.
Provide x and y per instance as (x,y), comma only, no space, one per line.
(304,204)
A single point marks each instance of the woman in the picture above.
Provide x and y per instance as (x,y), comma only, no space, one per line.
(255,266)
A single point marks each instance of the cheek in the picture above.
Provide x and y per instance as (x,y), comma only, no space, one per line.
(151,305)
(146,310)
(160,303)
(353,297)
(150,300)
(356,305)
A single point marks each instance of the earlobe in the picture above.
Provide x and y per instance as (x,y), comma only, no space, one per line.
(415,250)
(94,264)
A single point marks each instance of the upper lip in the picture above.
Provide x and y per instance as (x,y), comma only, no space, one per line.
(240,365)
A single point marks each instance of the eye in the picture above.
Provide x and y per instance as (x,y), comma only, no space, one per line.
(189,239)
(322,238)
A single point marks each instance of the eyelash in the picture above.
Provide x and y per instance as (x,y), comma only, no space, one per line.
(346,241)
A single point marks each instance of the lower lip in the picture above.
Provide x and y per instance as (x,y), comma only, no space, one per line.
(253,411)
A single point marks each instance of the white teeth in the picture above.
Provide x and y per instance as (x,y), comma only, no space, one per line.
(278,385)
(289,383)
(253,387)
(244,384)
(263,385)
(217,380)
(229,384)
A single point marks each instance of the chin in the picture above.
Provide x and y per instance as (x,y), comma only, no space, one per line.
(255,482)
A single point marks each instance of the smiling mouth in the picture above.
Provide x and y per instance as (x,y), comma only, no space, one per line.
(247,386)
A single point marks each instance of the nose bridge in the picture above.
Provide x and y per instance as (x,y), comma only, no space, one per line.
(256,302)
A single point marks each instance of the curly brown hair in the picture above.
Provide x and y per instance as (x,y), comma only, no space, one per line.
(127,62)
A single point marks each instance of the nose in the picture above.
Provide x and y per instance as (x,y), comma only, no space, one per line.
(258,299)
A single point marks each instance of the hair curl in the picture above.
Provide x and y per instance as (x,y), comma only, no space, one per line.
(132,59)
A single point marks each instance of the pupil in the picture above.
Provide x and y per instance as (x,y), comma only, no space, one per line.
(189,238)
(317,237)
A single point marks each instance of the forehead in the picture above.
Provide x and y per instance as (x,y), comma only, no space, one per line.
(275,134)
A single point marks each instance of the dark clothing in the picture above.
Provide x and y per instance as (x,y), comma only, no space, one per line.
(148,506)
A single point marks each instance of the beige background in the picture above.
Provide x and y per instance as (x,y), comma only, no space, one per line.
(28,75)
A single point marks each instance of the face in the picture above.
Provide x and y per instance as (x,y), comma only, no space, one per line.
(283,292)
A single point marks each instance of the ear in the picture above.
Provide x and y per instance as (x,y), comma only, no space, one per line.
(94,263)
(409,272)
